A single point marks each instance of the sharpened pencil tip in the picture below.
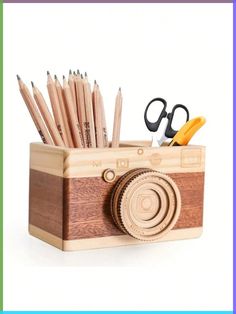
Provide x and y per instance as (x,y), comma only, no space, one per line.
(18,77)
(85,74)
(95,82)
(81,75)
(32,83)
(48,73)
(55,77)
(74,73)
(70,72)
(63,76)
(78,72)
(119,89)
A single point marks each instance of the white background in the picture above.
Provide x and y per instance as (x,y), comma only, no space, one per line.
(180,52)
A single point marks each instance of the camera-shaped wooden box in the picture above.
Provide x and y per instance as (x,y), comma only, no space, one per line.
(93,198)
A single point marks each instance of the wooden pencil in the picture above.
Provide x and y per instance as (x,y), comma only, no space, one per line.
(97,116)
(74,125)
(57,113)
(64,113)
(117,120)
(29,101)
(71,82)
(81,106)
(46,115)
(104,125)
(90,131)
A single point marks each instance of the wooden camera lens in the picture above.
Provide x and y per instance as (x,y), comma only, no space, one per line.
(145,204)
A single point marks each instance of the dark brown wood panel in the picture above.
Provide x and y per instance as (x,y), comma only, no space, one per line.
(191,186)
(79,208)
(87,210)
(46,202)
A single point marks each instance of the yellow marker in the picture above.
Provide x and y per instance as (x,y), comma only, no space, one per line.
(184,135)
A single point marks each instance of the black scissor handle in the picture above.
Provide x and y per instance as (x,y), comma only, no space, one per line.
(169,131)
(153,126)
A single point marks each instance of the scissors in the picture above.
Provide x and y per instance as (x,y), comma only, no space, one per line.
(169,132)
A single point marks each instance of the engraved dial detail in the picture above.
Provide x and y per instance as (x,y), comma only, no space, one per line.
(145,204)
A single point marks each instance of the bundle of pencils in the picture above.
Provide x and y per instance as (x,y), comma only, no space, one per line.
(78,116)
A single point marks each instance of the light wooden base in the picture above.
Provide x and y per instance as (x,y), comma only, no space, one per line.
(112,241)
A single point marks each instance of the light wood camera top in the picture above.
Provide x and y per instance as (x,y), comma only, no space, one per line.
(92,162)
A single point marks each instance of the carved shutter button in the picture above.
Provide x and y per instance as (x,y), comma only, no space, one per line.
(109,175)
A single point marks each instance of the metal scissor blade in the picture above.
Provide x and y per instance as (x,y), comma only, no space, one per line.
(158,142)
(155,142)
(162,140)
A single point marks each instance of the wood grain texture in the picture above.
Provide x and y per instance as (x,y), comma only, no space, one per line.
(46,202)
(47,159)
(91,162)
(112,241)
(191,187)
(46,236)
(82,205)
(87,209)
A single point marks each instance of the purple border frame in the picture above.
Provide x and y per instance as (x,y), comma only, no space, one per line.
(118,1)
(234,154)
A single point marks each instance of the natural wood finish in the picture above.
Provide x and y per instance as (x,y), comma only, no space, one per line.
(109,175)
(98,117)
(72,116)
(77,208)
(135,144)
(47,159)
(68,138)
(81,106)
(57,113)
(71,83)
(191,186)
(46,237)
(50,123)
(92,162)
(29,101)
(90,131)
(117,120)
(145,204)
(46,202)
(86,204)
(87,213)
(112,241)
(104,124)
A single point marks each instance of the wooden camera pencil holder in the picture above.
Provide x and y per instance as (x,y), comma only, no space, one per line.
(94,198)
